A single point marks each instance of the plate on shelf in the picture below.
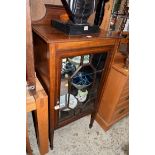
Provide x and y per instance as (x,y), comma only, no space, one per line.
(64,100)
(76,60)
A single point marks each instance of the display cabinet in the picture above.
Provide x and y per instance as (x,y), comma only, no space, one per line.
(73,71)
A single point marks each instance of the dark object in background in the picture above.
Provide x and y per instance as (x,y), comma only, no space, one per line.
(73,29)
(67,68)
(78,12)
(99,12)
(98,61)
(125,148)
(67,8)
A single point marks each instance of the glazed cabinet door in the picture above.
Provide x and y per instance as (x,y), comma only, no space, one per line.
(80,82)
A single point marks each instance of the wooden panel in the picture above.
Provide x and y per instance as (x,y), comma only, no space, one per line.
(119,63)
(126,85)
(42,117)
(51,35)
(39,103)
(30,102)
(30,106)
(85,44)
(122,104)
(52,12)
(42,55)
(125,93)
(102,122)
(114,86)
(122,111)
(107,15)
(124,40)
(123,98)
(30,73)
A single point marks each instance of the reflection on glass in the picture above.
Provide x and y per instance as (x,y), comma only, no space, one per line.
(119,16)
(80,77)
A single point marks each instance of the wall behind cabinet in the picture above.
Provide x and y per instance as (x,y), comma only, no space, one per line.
(38,9)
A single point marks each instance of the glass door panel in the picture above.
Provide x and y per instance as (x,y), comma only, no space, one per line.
(80,79)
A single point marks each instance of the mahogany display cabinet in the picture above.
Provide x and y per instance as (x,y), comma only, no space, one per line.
(73,71)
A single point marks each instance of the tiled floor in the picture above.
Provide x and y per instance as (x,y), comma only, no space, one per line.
(77,139)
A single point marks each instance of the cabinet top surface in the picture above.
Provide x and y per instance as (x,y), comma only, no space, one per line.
(50,35)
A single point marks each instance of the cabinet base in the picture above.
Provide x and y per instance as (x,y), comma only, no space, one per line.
(105,125)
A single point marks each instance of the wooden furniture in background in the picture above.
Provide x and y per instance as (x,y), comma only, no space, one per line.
(107,15)
(119,16)
(38,9)
(115,100)
(52,12)
(39,104)
(30,73)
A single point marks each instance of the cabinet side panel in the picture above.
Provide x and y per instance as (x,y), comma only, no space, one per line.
(41,54)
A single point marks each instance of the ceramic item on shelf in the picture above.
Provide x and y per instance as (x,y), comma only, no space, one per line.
(64,100)
(67,68)
(82,80)
(76,60)
(82,95)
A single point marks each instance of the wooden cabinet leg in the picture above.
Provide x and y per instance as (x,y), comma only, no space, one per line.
(42,117)
(92,120)
(51,138)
